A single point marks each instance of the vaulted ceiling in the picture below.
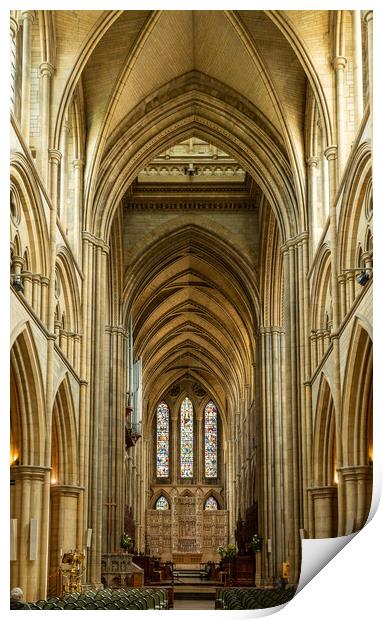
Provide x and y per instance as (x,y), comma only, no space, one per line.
(152,81)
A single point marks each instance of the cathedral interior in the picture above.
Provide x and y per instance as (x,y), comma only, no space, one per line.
(191,289)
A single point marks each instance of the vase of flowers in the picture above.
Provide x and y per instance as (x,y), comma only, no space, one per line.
(256,543)
(126,542)
(221,551)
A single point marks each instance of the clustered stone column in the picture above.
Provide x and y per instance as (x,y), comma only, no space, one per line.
(340,63)
(370,53)
(325,507)
(357,66)
(28,18)
(356,485)
(91,420)
(46,73)
(113,488)
(28,503)
(272,454)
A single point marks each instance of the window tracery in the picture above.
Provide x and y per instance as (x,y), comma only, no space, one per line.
(186,444)
(211,434)
(163,424)
(162,503)
(211,503)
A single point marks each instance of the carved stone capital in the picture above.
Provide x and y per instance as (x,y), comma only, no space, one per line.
(312,162)
(46,69)
(331,152)
(28,15)
(368,16)
(339,63)
(54,156)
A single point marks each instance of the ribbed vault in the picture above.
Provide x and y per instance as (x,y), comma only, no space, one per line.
(193,302)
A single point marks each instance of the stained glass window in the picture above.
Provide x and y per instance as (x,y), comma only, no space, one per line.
(211,414)
(186,451)
(162,503)
(211,503)
(162,440)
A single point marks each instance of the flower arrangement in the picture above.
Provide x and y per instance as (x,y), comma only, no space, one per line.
(227,552)
(256,543)
(126,541)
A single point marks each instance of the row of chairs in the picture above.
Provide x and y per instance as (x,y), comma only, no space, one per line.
(108,598)
(252,598)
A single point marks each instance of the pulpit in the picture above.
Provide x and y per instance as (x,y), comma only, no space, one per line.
(118,571)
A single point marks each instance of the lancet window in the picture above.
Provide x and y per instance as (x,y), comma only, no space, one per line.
(186,443)
(162,503)
(211,503)
(211,435)
(163,426)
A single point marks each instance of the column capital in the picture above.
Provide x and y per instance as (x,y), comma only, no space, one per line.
(66,490)
(312,162)
(331,152)
(339,62)
(96,241)
(368,16)
(46,69)
(78,164)
(17,261)
(28,15)
(323,492)
(355,472)
(54,156)
(29,472)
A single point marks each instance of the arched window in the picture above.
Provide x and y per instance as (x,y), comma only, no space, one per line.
(162,503)
(186,443)
(211,503)
(162,464)
(211,415)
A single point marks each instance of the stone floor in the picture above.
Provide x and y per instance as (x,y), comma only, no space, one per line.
(194,604)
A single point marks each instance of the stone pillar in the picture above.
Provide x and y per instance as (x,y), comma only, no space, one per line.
(14,29)
(325,502)
(356,481)
(357,67)
(36,294)
(342,296)
(54,164)
(44,298)
(271,474)
(63,342)
(368,16)
(63,533)
(114,440)
(64,174)
(350,289)
(95,464)
(27,282)
(339,67)
(46,72)
(330,154)
(28,18)
(78,167)
(85,365)
(30,575)
(312,165)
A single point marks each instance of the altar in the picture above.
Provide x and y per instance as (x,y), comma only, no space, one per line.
(186,533)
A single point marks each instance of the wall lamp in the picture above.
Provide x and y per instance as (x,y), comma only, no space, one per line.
(362,278)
